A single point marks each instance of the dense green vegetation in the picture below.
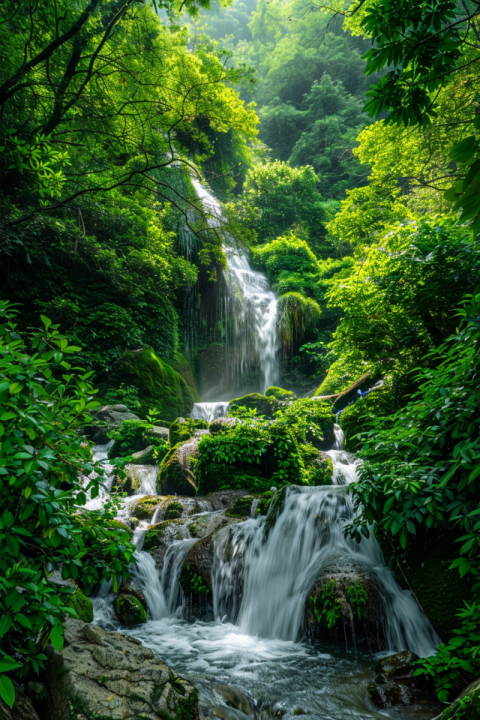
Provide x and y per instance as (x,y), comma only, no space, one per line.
(352,179)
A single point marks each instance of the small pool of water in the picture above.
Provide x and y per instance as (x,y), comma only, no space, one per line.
(322,680)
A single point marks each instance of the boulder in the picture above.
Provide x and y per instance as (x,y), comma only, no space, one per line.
(177,471)
(280,394)
(395,683)
(144,508)
(129,610)
(182,429)
(106,419)
(130,587)
(159,386)
(22,707)
(241,508)
(159,433)
(82,605)
(181,365)
(255,401)
(145,457)
(221,499)
(195,578)
(222,425)
(160,536)
(106,675)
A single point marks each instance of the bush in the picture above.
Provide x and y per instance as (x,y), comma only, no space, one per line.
(44,401)
(132,436)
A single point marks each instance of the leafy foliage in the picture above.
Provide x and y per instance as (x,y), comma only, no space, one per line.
(47,473)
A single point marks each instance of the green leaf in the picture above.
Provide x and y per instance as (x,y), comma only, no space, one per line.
(7,691)
(56,636)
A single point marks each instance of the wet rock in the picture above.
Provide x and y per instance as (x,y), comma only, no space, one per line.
(106,419)
(106,675)
(177,471)
(131,588)
(22,707)
(145,457)
(82,605)
(345,598)
(144,508)
(395,683)
(223,499)
(160,536)
(195,578)
(129,610)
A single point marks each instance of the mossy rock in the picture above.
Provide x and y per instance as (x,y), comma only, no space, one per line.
(182,429)
(466,706)
(318,465)
(280,394)
(181,365)
(129,610)
(213,477)
(159,386)
(81,604)
(241,508)
(154,534)
(264,502)
(144,508)
(120,526)
(222,425)
(255,401)
(176,474)
(423,567)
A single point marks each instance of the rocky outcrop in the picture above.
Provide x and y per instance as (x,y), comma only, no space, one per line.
(280,394)
(147,456)
(241,508)
(222,425)
(103,675)
(177,471)
(396,684)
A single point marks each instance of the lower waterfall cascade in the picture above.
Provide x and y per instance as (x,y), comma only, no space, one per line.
(261,575)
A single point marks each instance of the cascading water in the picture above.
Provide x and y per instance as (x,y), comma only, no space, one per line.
(209,411)
(254,305)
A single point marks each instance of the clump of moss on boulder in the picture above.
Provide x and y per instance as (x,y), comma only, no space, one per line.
(255,401)
(154,534)
(318,465)
(145,507)
(81,604)
(159,386)
(129,610)
(176,474)
(280,393)
(182,429)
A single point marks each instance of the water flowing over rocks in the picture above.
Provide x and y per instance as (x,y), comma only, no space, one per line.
(104,675)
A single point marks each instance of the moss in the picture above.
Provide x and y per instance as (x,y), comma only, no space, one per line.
(352,422)
(280,393)
(320,412)
(424,568)
(255,401)
(154,534)
(120,526)
(81,604)
(129,610)
(264,502)
(465,708)
(173,478)
(159,386)
(318,465)
(187,707)
(181,365)
(182,429)
(341,374)
(145,507)
(241,508)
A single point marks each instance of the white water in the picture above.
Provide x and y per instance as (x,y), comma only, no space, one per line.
(254,303)
(209,411)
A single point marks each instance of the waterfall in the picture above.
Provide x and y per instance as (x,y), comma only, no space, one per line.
(209,411)
(253,302)
(274,571)
(145,574)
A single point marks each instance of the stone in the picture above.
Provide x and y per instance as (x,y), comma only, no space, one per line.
(22,707)
(145,457)
(160,433)
(222,425)
(82,605)
(177,471)
(182,429)
(144,508)
(106,675)
(129,610)
(395,683)
(159,386)
(106,419)
(255,401)
(241,508)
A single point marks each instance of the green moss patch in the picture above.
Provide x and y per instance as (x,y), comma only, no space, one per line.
(81,604)
(255,401)
(173,477)
(145,507)
(182,429)
(241,508)
(159,386)
(154,534)
(129,610)
(280,393)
